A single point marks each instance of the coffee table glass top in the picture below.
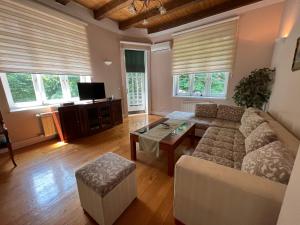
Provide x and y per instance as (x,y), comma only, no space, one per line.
(178,132)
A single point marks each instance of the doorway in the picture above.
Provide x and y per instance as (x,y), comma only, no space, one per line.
(136,80)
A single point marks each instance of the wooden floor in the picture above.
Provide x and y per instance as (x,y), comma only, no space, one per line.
(42,189)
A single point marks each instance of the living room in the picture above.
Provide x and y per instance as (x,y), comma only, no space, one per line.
(149,112)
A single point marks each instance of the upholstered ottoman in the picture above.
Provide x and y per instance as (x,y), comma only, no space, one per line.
(106,187)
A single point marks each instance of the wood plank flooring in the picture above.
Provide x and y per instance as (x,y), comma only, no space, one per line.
(42,189)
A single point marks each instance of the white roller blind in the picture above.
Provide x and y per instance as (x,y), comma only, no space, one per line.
(209,49)
(41,40)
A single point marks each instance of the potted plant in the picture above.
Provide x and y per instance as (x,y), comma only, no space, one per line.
(255,89)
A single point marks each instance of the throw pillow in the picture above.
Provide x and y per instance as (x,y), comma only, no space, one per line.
(272,161)
(232,113)
(208,110)
(250,120)
(260,137)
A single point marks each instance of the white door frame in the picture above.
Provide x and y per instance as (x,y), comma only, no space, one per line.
(147,79)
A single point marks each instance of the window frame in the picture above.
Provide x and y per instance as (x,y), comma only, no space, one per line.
(41,99)
(207,90)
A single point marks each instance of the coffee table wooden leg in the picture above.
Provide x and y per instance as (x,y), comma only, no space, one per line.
(133,148)
(171,162)
(192,137)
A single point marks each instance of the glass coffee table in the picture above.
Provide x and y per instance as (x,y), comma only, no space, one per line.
(168,143)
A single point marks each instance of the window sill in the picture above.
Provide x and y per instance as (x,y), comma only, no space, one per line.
(200,97)
(30,108)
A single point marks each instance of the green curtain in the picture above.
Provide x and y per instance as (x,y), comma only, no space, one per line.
(135,61)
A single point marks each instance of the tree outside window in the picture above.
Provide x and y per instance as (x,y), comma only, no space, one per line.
(73,80)
(52,86)
(21,87)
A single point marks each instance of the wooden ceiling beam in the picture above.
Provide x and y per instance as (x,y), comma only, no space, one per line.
(223,7)
(110,7)
(63,2)
(169,6)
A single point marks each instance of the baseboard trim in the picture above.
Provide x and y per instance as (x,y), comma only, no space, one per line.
(31,141)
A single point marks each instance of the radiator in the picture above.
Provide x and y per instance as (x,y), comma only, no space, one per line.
(47,124)
(189,105)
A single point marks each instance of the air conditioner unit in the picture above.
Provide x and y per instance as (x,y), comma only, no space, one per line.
(164,46)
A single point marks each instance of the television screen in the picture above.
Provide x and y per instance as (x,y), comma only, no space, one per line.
(91,91)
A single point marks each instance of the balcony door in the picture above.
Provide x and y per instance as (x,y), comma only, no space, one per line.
(136,80)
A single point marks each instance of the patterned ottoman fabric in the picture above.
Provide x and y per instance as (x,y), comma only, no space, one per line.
(105,173)
(231,113)
(223,146)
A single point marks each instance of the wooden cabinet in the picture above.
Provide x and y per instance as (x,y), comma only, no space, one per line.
(116,111)
(70,122)
(87,119)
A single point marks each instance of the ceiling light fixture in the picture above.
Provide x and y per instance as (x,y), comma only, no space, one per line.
(135,8)
(145,22)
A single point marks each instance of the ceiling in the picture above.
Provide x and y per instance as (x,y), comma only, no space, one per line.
(179,12)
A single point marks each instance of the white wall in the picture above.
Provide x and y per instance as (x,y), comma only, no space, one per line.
(258,30)
(284,102)
(290,210)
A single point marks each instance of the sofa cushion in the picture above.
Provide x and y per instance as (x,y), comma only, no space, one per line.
(223,146)
(208,110)
(231,113)
(250,120)
(260,137)
(272,161)
(225,124)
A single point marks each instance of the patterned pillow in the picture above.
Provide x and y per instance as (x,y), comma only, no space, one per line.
(249,122)
(206,110)
(232,113)
(272,161)
(260,137)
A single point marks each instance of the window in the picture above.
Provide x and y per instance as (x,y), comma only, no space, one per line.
(183,84)
(201,84)
(21,87)
(203,59)
(26,90)
(72,82)
(136,88)
(52,87)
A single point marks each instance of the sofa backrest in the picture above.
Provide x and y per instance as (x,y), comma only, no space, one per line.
(283,134)
(224,112)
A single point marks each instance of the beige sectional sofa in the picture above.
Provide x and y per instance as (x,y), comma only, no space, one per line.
(238,172)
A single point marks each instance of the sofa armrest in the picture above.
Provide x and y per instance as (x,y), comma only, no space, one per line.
(206,193)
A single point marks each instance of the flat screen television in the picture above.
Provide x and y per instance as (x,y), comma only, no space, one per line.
(91,91)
